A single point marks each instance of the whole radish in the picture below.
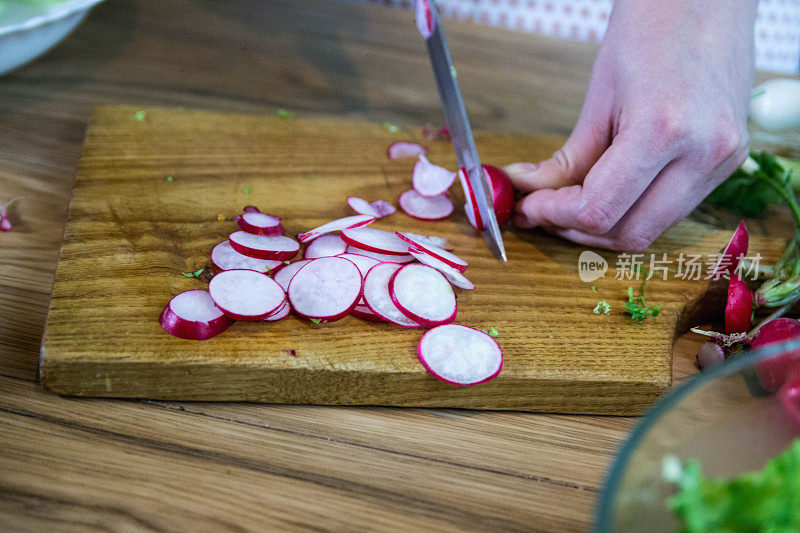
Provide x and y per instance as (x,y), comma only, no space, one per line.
(739,308)
(502,196)
(774,371)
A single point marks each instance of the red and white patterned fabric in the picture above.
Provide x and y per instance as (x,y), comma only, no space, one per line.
(777,27)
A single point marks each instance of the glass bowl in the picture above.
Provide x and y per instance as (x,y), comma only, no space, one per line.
(722,418)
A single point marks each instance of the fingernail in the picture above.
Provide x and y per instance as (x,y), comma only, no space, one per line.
(517,169)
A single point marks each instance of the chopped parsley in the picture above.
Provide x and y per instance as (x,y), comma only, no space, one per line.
(316,320)
(195,274)
(284,114)
(170,179)
(139,115)
(492,332)
(394,128)
(602,308)
(246,190)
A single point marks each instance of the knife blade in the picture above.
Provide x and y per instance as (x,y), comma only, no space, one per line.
(455,116)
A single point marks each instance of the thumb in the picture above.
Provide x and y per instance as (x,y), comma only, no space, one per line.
(568,165)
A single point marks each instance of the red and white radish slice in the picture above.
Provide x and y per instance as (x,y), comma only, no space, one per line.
(382,258)
(460,355)
(432,240)
(423,294)
(733,253)
(325,246)
(326,288)
(193,315)
(502,193)
(363,262)
(430,179)
(251,209)
(285,275)
(282,312)
(402,149)
(378,299)
(275,247)
(376,209)
(225,257)
(259,223)
(246,294)
(471,207)
(424,17)
(439,253)
(425,207)
(355,221)
(375,240)
(453,276)
(365,313)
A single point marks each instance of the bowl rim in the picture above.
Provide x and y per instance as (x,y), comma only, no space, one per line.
(603,513)
(52,13)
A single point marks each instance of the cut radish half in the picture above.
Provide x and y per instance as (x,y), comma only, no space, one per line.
(259,223)
(365,313)
(275,248)
(285,275)
(282,312)
(460,355)
(734,251)
(378,299)
(382,258)
(246,294)
(325,246)
(376,209)
(375,240)
(425,207)
(326,289)
(355,221)
(433,240)
(453,276)
(439,253)
(423,294)
(225,257)
(471,207)
(193,315)
(430,179)
(402,149)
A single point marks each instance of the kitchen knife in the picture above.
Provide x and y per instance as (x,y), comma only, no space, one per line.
(455,116)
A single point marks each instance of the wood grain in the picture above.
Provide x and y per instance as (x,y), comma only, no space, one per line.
(131,232)
(317,58)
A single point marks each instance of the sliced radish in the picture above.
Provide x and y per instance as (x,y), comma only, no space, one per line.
(251,209)
(376,209)
(423,294)
(432,240)
(425,207)
(453,276)
(225,257)
(460,355)
(326,288)
(259,223)
(193,315)
(402,149)
(430,179)
(382,258)
(246,294)
(365,313)
(282,312)
(378,299)
(355,221)
(375,240)
(435,133)
(363,262)
(284,275)
(325,246)
(439,253)
(471,207)
(275,248)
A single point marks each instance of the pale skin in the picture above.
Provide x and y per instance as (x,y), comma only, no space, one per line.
(663,123)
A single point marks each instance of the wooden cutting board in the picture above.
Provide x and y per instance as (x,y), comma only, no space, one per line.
(132,231)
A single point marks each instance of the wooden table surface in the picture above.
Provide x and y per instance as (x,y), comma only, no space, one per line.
(77,464)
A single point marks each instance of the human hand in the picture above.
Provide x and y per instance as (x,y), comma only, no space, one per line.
(663,123)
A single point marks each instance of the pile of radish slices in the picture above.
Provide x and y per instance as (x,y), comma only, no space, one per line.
(348,268)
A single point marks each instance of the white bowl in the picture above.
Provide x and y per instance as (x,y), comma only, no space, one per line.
(29,29)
